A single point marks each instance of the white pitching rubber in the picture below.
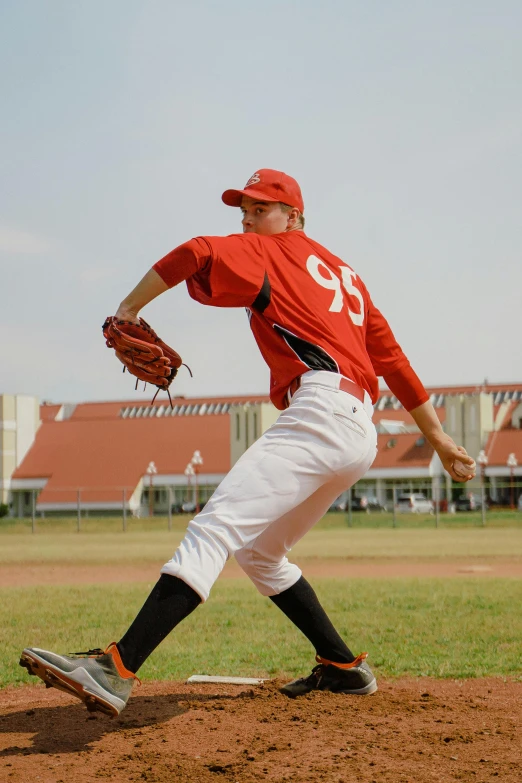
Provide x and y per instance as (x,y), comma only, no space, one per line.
(227,680)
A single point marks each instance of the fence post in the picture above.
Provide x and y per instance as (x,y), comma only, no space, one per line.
(350,507)
(483,503)
(79,511)
(169,497)
(124,507)
(33,511)
(394,503)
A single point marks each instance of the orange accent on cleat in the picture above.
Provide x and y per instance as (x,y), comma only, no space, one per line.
(112,649)
(360,659)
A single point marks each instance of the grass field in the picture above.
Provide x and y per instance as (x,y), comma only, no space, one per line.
(442,628)
(157,544)
(468,627)
(333,520)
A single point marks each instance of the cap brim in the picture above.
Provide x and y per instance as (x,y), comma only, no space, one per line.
(233,198)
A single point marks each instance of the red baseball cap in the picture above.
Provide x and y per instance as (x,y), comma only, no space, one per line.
(267,185)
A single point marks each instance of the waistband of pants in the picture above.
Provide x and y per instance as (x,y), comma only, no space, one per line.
(331,380)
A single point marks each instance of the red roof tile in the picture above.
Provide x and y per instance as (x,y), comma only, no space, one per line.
(108,455)
(489,388)
(113,408)
(402,451)
(402,415)
(49,412)
(503,443)
(506,421)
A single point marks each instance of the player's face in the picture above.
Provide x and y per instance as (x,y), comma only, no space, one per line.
(263,217)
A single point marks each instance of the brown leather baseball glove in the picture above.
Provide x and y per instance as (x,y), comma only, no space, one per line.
(142,352)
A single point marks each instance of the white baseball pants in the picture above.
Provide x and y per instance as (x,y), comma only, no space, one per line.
(283,484)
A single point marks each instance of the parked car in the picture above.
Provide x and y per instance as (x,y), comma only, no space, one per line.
(187,507)
(367,503)
(338,505)
(364,503)
(414,503)
(470,501)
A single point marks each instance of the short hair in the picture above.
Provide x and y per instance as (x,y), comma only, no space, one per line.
(287,208)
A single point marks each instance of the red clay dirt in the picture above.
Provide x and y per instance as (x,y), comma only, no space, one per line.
(29,574)
(420,731)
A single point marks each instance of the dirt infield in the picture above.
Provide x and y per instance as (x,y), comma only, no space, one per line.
(419,731)
(28,574)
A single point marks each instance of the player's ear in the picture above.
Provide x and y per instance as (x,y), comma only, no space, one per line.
(293,217)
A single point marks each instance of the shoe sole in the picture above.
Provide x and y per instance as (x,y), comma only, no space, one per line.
(83,686)
(366,691)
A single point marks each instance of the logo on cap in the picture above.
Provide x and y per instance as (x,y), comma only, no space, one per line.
(254,179)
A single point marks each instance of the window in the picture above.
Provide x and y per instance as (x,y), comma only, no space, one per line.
(246,431)
(254,434)
(238,426)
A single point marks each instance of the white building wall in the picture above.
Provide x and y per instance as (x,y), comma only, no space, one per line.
(27,423)
(19,421)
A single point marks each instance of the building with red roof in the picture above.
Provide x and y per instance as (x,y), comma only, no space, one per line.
(95,455)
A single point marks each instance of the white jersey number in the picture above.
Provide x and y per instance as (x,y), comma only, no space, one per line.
(333,283)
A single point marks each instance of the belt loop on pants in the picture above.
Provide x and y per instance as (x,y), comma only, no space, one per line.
(345,385)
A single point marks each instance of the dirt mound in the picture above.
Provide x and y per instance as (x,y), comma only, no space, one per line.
(411,730)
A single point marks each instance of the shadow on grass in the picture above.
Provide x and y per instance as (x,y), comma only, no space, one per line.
(71,729)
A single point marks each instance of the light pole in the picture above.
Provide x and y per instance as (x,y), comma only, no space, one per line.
(189,472)
(197,462)
(512,463)
(151,471)
(482,461)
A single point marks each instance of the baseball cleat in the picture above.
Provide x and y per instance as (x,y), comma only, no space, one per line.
(355,677)
(97,677)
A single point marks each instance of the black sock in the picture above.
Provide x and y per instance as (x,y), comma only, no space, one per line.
(170,601)
(302,607)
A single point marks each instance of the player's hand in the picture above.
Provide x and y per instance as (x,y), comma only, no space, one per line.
(448,452)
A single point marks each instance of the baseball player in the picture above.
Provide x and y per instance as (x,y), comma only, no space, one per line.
(325,343)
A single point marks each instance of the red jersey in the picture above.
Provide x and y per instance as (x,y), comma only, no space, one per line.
(308,309)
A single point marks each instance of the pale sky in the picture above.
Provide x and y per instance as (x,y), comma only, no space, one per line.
(123,122)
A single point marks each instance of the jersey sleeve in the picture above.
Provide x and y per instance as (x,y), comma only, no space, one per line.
(390,362)
(183,262)
(407,387)
(234,274)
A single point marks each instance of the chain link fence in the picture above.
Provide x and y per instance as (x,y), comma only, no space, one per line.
(403,503)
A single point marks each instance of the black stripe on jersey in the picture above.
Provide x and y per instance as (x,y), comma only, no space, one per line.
(262,300)
(313,356)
